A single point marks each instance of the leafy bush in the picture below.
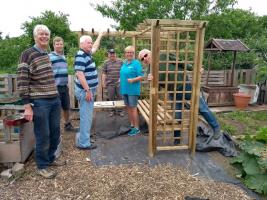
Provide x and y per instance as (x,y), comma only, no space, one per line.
(10,51)
(252,162)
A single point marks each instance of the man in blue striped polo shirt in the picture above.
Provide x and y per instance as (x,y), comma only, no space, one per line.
(60,69)
(85,88)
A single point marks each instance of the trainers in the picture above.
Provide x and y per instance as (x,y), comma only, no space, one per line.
(69,127)
(45,173)
(93,146)
(58,163)
(134,131)
(111,114)
(121,114)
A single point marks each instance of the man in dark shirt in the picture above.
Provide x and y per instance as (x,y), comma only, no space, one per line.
(111,78)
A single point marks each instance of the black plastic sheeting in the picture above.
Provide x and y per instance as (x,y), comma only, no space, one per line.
(123,149)
(206,141)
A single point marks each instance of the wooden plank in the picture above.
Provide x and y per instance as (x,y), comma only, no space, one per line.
(168,148)
(196,89)
(143,113)
(155,47)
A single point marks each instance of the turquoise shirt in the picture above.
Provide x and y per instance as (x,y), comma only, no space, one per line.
(130,70)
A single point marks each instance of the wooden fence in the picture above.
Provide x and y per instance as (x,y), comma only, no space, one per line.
(8,82)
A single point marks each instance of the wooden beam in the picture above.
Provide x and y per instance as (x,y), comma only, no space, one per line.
(155,47)
(167,148)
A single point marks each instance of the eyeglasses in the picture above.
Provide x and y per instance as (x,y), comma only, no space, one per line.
(129,52)
(142,59)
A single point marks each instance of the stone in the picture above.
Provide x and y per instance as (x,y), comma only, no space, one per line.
(6,174)
(18,169)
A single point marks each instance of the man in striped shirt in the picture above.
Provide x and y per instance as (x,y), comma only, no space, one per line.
(37,89)
(111,78)
(85,88)
(60,69)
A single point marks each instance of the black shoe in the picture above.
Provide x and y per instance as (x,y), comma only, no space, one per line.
(176,141)
(93,146)
(69,127)
(217,134)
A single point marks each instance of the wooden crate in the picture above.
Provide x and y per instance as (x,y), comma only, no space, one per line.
(8,83)
(220,95)
(19,149)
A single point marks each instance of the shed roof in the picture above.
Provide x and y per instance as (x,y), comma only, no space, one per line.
(225,45)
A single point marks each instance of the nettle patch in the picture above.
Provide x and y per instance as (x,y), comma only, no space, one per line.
(252,161)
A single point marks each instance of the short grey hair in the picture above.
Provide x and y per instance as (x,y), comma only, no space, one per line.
(85,37)
(129,48)
(143,52)
(40,27)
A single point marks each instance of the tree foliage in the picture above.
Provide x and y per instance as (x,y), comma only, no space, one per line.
(10,50)
(129,13)
(58,24)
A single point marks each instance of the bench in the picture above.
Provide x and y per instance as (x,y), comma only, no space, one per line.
(165,126)
(164,119)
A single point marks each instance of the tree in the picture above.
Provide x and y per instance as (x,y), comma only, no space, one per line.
(232,24)
(58,25)
(129,13)
(10,50)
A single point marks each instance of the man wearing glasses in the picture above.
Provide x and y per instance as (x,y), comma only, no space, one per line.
(145,57)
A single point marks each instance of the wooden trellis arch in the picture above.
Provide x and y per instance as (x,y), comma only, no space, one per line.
(185,41)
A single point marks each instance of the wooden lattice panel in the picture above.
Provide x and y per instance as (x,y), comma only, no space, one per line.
(176,46)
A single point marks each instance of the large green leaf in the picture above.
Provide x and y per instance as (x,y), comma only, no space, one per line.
(251,165)
(263,162)
(253,147)
(257,182)
(238,159)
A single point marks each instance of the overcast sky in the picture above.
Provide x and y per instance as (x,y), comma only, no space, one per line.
(81,15)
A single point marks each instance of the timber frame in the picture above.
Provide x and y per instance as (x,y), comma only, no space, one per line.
(185,40)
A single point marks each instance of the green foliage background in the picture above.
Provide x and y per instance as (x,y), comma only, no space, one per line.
(224,22)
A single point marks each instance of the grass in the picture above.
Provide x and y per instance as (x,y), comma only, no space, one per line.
(242,122)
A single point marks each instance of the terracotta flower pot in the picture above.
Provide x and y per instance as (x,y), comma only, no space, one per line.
(241,100)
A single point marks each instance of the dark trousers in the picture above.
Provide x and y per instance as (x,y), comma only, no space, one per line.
(46,120)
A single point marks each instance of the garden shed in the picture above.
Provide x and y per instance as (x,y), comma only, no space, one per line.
(220,92)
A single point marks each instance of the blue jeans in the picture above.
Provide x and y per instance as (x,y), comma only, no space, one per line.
(203,110)
(46,121)
(86,117)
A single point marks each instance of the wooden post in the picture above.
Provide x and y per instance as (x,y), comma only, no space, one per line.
(233,69)
(155,47)
(134,44)
(196,88)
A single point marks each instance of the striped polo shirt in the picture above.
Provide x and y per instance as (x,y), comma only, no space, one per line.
(35,76)
(85,63)
(60,68)
(112,71)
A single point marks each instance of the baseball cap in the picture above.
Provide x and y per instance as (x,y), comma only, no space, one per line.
(111,51)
